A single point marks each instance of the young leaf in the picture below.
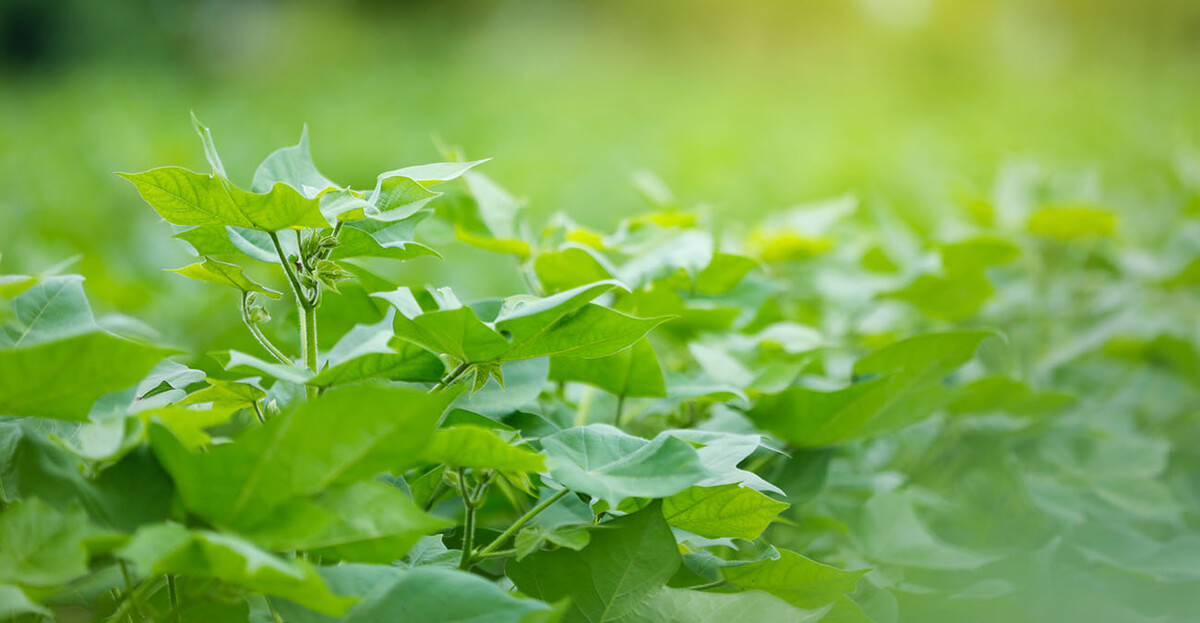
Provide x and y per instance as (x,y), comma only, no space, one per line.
(796,579)
(184,197)
(905,388)
(347,435)
(42,547)
(572,266)
(724,511)
(632,372)
(624,566)
(362,522)
(231,275)
(604,462)
(372,351)
(292,166)
(480,448)
(421,594)
(172,548)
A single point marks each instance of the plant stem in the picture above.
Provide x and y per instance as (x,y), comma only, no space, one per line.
(702,587)
(258,334)
(174,597)
(307,311)
(258,413)
(496,554)
(437,494)
(450,378)
(620,410)
(133,599)
(519,523)
(464,562)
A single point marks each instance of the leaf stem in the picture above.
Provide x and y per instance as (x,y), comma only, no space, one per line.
(519,523)
(174,595)
(258,413)
(704,587)
(258,334)
(133,599)
(464,562)
(450,378)
(496,554)
(620,410)
(307,310)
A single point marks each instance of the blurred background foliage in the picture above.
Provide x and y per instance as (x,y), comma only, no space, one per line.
(748,107)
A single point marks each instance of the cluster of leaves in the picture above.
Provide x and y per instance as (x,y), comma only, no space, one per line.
(829,417)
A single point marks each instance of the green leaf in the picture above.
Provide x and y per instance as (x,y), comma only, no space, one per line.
(15,603)
(370,238)
(363,522)
(527,327)
(63,379)
(997,393)
(210,148)
(222,393)
(208,240)
(172,548)
(372,351)
(604,462)
(976,254)
(631,372)
(188,423)
(673,605)
(292,166)
(723,273)
(625,565)
(184,197)
(723,511)
(42,547)
(236,361)
(905,387)
(421,595)
(346,435)
(436,172)
(480,448)
(54,308)
(1073,222)
(890,532)
(511,246)
(572,266)
(497,209)
(796,579)
(952,298)
(231,275)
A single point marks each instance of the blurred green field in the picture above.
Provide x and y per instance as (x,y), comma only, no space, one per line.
(749,109)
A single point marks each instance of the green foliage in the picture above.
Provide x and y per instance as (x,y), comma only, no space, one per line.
(675,421)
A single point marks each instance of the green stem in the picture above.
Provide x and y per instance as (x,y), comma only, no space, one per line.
(464,562)
(450,378)
(519,523)
(258,334)
(258,413)
(620,410)
(500,553)
(703,587)
(437,494)
(308,313)
(174,595)
(133,599)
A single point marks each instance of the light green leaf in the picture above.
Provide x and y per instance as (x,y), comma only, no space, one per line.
(346,435)
(184,197)
(511,246)
(172,548)
(421,595)
(905,387)
(292,166)
(973,255)
(674,605)
(362,522)
(723,273)
(188,423)
(497,209)
(953,298)
(42,547)
(371,238)
(889,531)
(798,580)
(210,148)
(480,448)
(632,372)
(572,266)
(63,379)
(208,240)
(54,308)
(436,172)
(222,393)
(15,603)
(236,361)
(372,351)
(231,275)
(604,462)
(724,511)
(625,565)
(1072,222)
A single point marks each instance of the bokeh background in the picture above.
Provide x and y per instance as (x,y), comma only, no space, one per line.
(748,106)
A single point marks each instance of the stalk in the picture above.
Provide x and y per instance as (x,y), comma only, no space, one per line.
(519,523)
(307,310)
